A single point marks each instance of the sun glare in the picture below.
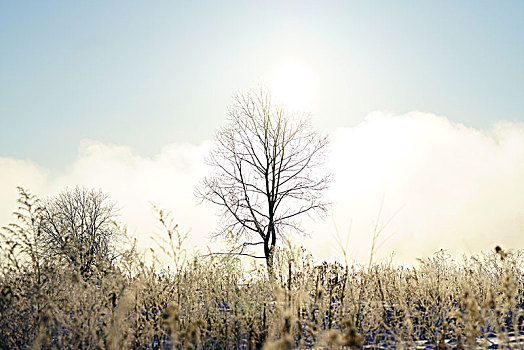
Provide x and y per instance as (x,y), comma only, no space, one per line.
(292,86)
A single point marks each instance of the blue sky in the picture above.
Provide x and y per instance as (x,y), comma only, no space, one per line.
(146,74)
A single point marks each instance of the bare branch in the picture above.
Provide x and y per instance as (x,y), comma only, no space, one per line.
(267,171)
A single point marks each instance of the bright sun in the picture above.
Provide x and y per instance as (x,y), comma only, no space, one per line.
(292,86)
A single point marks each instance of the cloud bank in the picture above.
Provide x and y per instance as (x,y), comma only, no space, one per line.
(443,185)
(134,182)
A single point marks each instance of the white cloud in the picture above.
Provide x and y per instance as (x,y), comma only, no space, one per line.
(13,173)
(454,187)
(134,182)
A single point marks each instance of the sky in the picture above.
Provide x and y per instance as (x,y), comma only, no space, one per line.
(422,102)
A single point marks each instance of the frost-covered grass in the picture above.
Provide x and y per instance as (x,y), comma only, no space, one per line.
(217,302)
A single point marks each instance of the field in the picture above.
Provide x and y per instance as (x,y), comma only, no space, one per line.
(217,302)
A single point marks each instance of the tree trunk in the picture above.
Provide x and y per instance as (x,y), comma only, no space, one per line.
(268,252)
(269,249)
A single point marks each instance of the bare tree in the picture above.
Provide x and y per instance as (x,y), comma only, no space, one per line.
(78,226)
(268,172)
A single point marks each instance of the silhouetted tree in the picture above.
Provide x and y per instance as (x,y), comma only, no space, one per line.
(78,227)
(268,172)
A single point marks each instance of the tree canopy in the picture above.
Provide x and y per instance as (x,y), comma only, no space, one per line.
(268,171)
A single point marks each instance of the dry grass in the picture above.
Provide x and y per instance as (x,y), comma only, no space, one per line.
(216,302)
